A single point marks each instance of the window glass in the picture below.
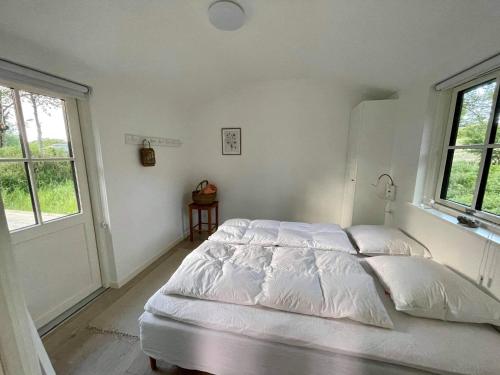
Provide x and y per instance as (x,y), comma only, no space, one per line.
(56,189)
(44,119)
(37,170)
(463,175)
(10,143)
(16,195)
(491,200)
(475,114)
(471,175)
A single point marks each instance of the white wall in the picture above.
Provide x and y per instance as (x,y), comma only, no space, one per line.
(294,144)
(145,204)
(415,114)
(411,112)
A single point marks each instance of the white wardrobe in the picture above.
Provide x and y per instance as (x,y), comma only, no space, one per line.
(369,155)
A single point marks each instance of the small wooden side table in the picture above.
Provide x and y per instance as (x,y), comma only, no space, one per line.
(199,227)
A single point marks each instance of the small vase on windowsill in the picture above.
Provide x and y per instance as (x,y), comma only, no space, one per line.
(427,203)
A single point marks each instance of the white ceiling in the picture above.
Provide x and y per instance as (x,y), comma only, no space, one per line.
(385,44)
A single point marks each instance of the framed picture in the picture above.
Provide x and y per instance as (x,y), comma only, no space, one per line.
(231,141)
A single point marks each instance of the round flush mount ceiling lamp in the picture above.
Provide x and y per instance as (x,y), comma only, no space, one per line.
(226,15)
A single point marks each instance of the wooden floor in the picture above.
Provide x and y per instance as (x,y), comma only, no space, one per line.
(76,349)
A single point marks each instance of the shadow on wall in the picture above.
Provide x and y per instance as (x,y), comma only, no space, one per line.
(314,201)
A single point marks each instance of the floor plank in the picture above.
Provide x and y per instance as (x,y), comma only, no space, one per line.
(76,349)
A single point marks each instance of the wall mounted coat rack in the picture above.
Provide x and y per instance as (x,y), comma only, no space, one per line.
(135,139)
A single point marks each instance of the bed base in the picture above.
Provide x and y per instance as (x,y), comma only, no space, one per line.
(195,349)
(180,370)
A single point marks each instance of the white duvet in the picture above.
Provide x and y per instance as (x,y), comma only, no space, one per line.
(329,284)
(283,233)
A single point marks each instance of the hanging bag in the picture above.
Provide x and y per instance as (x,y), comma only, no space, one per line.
(147,155)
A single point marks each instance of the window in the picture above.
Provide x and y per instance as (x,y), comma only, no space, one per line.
(470,172)
(37,171)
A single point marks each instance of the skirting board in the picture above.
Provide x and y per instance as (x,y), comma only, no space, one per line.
(119,283)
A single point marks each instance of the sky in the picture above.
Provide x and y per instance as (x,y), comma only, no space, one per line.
(51,118)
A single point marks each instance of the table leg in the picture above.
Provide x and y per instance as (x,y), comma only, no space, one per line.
(209,220)
(190,224)
(199,220)
(217,216)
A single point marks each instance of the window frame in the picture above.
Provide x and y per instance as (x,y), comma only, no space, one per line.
(30,161)
(452,124)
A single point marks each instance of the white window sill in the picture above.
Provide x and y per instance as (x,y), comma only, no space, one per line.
(492,232)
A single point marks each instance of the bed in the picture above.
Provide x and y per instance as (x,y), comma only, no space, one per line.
(226,338)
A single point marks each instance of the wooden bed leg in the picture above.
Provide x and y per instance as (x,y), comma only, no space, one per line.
(152,364)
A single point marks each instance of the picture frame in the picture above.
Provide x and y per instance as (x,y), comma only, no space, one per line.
(231,141)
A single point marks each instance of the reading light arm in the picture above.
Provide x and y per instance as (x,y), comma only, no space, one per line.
(387,175)
(382,175)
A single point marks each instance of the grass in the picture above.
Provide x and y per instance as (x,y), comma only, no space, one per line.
(463,181)
(55,199)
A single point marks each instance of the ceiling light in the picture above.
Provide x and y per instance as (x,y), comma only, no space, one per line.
(226,15)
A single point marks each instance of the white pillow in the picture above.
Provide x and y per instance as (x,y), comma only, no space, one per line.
(425,288)
(378,239)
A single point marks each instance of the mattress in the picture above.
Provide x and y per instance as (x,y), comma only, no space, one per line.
(417,343)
